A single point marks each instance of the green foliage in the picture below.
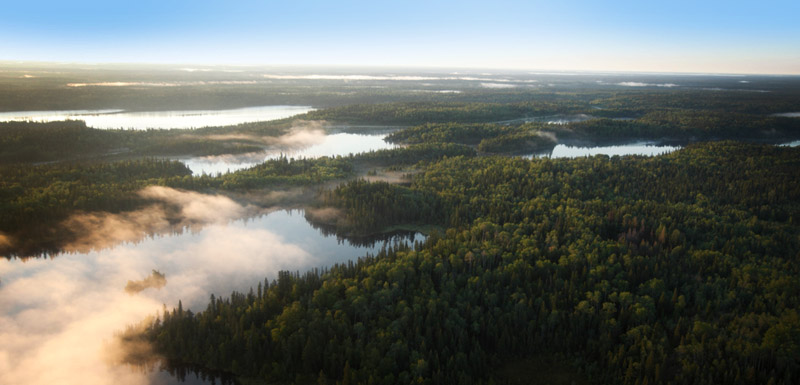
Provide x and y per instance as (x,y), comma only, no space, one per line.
(34,198)
(463,133)
(28,142)
(517,143)
(37,142)
(280,172)
(441,112)
(370,207)
(633,103)
(489,138)
(413,154)
(674,269)
(690,124)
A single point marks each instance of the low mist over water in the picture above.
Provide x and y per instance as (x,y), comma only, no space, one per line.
(60,314)
(339,144)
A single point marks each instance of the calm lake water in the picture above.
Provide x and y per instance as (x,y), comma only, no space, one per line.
(559,119)
(330,145)
(563,119)
(61,313)
(648,149)
(111,119)
(788,114)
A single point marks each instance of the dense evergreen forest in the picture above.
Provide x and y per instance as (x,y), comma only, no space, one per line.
(33,142)
(36,199)
(511,131)
(675,269)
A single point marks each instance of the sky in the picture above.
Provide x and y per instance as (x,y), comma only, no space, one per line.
(616,35)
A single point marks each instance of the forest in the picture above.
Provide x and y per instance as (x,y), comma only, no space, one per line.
(680,268)
(626,267)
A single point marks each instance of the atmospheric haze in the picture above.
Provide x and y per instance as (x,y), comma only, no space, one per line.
(59,316)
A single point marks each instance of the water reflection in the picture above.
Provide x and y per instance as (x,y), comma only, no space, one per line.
(342,143)
(171,373)
(112,119)
(59,313)
(372,241)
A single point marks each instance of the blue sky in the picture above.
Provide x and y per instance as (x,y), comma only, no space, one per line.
(653,36)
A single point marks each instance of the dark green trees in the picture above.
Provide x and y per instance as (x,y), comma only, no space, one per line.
(676,269)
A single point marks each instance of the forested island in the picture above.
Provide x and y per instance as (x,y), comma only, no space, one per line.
(680,268)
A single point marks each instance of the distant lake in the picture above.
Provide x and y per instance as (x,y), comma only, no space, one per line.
(788,114)
(62,311)
(114,119)
(648,149)
(562,119)
(331,145)
(559,119)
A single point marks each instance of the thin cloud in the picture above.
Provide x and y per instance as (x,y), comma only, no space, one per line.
(173,211)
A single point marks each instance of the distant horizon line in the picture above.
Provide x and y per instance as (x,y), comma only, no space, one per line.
(532,71)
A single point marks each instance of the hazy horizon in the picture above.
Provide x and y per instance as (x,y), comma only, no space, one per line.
(306,68)
(573,36)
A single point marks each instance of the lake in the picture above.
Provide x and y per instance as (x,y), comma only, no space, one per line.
(142,120)
(60,313)
(347,143)
(558,119)
(342,143)
(639,148)
(788,114)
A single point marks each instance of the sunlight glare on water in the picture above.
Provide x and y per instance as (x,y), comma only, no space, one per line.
(342,144)
(564,151)
(113,119)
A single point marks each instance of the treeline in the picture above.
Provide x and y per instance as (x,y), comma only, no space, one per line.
(678,269)
(517,142)
(703,108)
(688,125)
(272,173)
(29,142)
(645,115)
(464,133)
(634,103)
(441,112)
(373,207)
(22,142)
(34,199)
(412,154)
(489,138)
